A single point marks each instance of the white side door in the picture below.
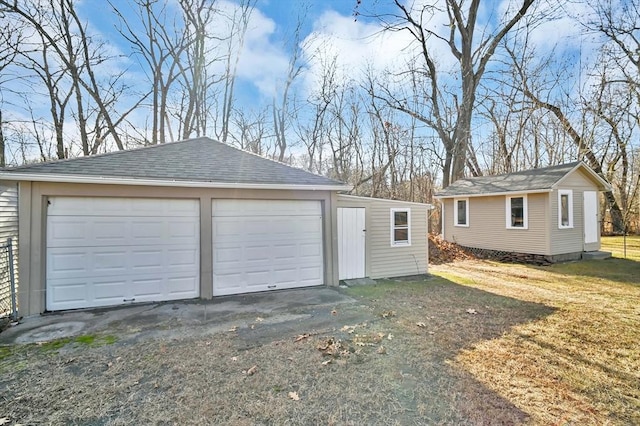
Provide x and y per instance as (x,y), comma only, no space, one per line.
(351,243)
(590,217)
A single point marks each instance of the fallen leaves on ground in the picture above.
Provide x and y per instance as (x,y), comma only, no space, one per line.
(294,396)
(332,347)
(441,251)
(302,337)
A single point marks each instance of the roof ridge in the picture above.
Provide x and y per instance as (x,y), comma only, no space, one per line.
(572,164)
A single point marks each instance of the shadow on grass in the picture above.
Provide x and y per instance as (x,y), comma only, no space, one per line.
(625,271)
(437,319)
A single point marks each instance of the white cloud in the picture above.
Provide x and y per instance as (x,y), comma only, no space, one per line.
(355,46)
(263,61)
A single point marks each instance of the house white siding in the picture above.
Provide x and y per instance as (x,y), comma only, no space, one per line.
(9,229)
(487,225)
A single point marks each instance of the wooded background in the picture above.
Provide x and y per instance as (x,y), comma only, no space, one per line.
(467,96)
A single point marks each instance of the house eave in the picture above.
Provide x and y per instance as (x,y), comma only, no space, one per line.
(108,180)
(493,194)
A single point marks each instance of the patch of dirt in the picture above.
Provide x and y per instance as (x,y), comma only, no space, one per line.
(441,251)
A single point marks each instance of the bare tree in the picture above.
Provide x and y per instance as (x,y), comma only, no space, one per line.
(281,107)
(161,45)
(239,24)
(473,49)
(10,39)
(58,24)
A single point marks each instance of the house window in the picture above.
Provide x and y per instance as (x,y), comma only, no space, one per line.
(461,212)
(400,227)
(565,209)
(517,215)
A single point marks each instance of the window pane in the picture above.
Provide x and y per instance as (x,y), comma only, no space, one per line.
(400,218)
(517,212)
(462,212)
(564,209)
(401,235)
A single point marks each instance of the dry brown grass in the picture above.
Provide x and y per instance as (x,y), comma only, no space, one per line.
(482,343)
(579,365)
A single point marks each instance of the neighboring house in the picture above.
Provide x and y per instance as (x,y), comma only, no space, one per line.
(552,211)
(183,220)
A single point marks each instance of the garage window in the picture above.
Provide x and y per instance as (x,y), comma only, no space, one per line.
(400,227)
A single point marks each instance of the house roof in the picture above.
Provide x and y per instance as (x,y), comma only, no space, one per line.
(193,162)
(534,180)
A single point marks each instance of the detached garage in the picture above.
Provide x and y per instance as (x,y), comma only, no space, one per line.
(182,220)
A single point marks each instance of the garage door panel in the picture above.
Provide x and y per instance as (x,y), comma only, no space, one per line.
(260,245)
(67,232)
(109,292)
(71,292)
(107,262)
(96,260)
(122,207)
(67,261)
(147,288)
(247,208)
(182,287)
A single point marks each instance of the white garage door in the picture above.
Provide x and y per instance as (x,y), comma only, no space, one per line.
(112,251)
(263,245)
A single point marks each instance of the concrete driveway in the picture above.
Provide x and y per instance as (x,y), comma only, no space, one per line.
(276,312)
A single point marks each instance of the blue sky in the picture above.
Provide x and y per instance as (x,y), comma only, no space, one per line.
(330,24)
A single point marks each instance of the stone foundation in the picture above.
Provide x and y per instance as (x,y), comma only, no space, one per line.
(527,258)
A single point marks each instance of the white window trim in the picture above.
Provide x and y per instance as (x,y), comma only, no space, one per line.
(393,227)
(562,192)
(455,212)
(525,208)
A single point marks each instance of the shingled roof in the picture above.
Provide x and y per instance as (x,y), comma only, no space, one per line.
(534,180)
(199,161)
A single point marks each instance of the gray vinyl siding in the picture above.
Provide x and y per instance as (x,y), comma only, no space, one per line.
(9,219)
(487,225)
(571,240)
(381,259)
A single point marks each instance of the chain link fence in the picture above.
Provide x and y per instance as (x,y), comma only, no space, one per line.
(8,302)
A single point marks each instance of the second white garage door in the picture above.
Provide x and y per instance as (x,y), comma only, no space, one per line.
(113,251)
(261,245)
